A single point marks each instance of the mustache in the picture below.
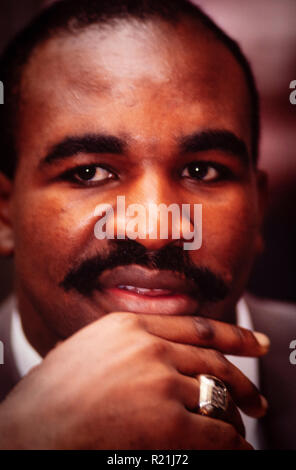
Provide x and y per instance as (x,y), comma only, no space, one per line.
(84,277)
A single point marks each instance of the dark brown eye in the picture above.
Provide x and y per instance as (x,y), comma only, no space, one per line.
(92,174)
(202,171)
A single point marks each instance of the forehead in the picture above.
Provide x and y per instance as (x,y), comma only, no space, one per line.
(144,79)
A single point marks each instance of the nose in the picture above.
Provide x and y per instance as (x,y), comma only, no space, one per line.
(152,213)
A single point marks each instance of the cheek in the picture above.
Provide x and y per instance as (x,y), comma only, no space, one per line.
(229,234)
(50,232)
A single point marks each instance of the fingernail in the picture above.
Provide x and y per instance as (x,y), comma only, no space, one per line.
(262,339)
(264,402)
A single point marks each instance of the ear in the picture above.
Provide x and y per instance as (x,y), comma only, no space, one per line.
(262,192)
(6,229)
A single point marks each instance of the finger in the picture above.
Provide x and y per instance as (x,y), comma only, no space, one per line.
(201,432)
(190,360)
(233,416)
(189,391)
(200,331)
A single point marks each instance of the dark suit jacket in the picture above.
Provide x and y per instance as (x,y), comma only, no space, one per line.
(277,374)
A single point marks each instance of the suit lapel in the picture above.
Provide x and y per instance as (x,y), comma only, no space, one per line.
(277,375)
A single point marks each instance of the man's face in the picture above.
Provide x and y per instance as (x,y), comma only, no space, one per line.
(144,92)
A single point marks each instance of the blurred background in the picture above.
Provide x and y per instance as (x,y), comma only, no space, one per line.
(266,30)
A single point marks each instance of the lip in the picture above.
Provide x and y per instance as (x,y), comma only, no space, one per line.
(172,295)
(138,276)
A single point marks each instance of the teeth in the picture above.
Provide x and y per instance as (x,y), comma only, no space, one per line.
(143,290)
(138,290)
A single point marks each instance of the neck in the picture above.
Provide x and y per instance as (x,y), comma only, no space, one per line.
(37,332)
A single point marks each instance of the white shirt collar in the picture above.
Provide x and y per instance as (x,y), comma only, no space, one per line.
(250,367)
(26,357)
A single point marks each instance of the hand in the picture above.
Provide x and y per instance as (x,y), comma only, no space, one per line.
(128,381)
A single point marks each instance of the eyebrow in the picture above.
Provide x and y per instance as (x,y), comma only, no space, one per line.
(100,143)
(225,141)
(90,143)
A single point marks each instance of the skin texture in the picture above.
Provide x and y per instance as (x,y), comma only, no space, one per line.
(149,84)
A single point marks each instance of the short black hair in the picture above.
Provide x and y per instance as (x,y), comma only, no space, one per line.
(73,15)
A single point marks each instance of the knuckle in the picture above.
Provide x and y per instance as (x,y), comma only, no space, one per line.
(123,319)
(245,338)
(167,384)
(251,339)
(204,330)
(156,347)
(251,395)
(223,365)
